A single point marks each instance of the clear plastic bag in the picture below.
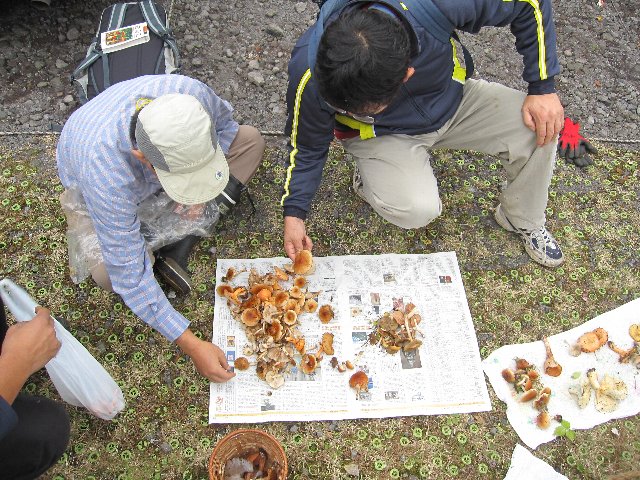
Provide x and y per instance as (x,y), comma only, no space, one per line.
(82,241)
(164,221)
(78,377)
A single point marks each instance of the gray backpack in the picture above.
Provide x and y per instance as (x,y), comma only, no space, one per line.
(123,58)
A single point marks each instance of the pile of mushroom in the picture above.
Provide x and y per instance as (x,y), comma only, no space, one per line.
(397,330)
(526,380)
(252,464)
(270,313)
(610,391)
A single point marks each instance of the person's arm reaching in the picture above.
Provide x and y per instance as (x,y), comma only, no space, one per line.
(310,130)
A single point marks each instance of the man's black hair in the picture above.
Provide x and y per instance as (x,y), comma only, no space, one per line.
(362,60)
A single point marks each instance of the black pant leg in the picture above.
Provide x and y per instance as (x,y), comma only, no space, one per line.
(38,440)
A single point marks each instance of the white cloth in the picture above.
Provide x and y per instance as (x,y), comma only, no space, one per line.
(525,466)
(522,415)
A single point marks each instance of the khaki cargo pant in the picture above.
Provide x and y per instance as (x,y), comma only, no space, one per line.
(400,185)
(244,158)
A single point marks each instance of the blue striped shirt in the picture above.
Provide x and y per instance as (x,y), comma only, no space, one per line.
(94,156)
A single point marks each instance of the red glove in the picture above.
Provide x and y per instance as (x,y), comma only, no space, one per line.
(573,146)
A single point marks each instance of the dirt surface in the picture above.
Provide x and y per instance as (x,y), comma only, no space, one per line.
(241,49)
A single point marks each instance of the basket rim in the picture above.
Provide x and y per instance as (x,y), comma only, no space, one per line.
(243,431)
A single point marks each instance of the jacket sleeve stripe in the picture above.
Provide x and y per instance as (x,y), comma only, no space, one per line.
(542,53)
(294,132)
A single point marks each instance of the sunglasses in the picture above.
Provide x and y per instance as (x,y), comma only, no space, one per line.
(360,118)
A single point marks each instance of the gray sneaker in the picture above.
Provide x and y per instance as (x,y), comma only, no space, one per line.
(539,243)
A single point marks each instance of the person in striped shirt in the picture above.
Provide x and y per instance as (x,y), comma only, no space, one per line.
(140,136)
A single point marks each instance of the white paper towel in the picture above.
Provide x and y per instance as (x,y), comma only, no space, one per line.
(522,415)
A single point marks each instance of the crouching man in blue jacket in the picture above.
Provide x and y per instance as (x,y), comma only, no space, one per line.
(387,85)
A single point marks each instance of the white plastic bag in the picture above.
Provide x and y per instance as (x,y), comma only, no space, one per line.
(78,377)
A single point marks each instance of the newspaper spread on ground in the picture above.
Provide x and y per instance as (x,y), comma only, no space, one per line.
(443,376)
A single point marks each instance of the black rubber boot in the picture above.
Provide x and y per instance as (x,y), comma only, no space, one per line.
(171,263)
(231,195)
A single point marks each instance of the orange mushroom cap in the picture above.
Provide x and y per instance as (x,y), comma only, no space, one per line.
(250,317)
(325,313)
(303,262)
(359,381)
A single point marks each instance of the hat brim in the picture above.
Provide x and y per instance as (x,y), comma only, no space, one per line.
(199,186)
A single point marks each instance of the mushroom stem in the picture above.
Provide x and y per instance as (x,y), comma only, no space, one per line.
(551,367)
(406,324)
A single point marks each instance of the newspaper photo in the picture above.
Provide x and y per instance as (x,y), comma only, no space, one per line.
(443,375)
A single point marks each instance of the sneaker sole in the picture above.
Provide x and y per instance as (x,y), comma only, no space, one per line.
(174,275)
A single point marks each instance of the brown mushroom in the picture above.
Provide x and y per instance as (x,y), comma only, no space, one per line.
(275,330)
(522,364)
(541,402)
(303,263)
(291,304)
(290,317)
(241,363)
(281,298)
(589,342)
(310,305)
(264,294)
(622,353)
(543,420)
(298,343)
(327,343)
(251,302)
(348,364)
(299,282)
(398,316)
(281,274)
(235,295)
(250,317)
(634,331)
(412,345)
(296,292)
(602,335)
(231,272)
(529,395)
(325,313)
(308,363)
(224,289)
(508,375)
(359,382)
(551,367)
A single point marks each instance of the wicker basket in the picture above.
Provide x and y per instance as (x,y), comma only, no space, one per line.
(236,443)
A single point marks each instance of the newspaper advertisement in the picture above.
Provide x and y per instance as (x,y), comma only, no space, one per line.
(443,375)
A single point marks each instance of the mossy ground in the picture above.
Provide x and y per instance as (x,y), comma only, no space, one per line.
(163,432)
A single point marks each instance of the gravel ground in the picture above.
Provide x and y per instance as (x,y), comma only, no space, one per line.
(241,48)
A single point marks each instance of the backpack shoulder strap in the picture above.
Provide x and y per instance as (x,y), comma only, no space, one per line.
(160,28)
(116,17)
(429,16)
